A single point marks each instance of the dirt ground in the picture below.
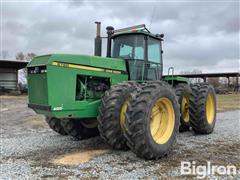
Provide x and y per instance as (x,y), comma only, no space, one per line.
(31,150)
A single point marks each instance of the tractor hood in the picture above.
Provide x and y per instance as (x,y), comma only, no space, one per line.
(89,61)
(61,85)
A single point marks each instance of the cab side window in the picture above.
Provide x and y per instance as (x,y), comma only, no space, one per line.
(154,59)
(154,50)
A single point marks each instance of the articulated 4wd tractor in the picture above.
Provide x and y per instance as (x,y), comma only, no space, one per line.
(123,97)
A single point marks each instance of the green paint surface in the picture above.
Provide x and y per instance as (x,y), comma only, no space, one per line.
(175,78)
(94,61)
(57,87)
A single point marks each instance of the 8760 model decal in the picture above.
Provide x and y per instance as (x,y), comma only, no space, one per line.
(89,68)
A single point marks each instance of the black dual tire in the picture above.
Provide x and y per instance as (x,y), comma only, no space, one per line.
(137,125)
(55,124)
(109,118)
(183,92)
(203,108)
(79,129)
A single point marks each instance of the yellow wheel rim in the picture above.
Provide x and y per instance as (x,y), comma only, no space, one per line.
(185,109)
(89,123)
(210,108)
(162,120)
(122,114)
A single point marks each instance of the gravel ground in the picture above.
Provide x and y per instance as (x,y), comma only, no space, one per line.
(30,150)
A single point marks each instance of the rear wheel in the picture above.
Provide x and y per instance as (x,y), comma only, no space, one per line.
(183,92)
(203,108)
(152,120)
(55,124)
(112,114)
(80,128)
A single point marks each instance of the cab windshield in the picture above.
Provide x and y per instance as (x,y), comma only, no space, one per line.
(128,47)
(132,48)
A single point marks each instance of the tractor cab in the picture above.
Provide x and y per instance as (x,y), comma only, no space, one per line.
(141,50)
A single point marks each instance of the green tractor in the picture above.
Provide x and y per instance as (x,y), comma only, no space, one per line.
(124,97)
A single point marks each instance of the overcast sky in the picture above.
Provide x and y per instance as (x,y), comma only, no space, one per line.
(198,35)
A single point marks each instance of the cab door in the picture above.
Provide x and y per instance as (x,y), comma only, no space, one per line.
(154,59)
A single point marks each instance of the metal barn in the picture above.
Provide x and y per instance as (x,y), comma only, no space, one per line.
(9,74)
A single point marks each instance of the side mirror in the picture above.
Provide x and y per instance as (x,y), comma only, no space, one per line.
(160,35)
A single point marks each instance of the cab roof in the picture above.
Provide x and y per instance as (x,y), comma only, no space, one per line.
(139,29)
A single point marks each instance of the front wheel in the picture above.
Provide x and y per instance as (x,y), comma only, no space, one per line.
(152,121)
(112,114)
(55,124)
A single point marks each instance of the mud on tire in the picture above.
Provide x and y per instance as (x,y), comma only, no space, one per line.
(203,108)
(140,113)
(111,114)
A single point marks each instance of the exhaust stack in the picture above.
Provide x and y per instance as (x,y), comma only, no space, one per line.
(110,31)
(98,41)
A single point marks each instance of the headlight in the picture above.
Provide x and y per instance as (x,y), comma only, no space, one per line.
(37,70)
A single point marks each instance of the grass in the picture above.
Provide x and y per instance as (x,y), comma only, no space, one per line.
(226,102)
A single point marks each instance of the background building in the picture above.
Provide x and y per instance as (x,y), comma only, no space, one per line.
(9,74)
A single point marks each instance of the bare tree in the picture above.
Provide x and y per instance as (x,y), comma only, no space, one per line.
(30,56)
(194,71)
(20,56)
(185,72)
(214,81)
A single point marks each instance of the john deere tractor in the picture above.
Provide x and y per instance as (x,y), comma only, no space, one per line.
(124,97)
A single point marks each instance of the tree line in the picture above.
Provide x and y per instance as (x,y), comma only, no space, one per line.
(19,56)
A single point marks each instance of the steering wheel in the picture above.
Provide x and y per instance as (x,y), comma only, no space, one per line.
(132,56)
